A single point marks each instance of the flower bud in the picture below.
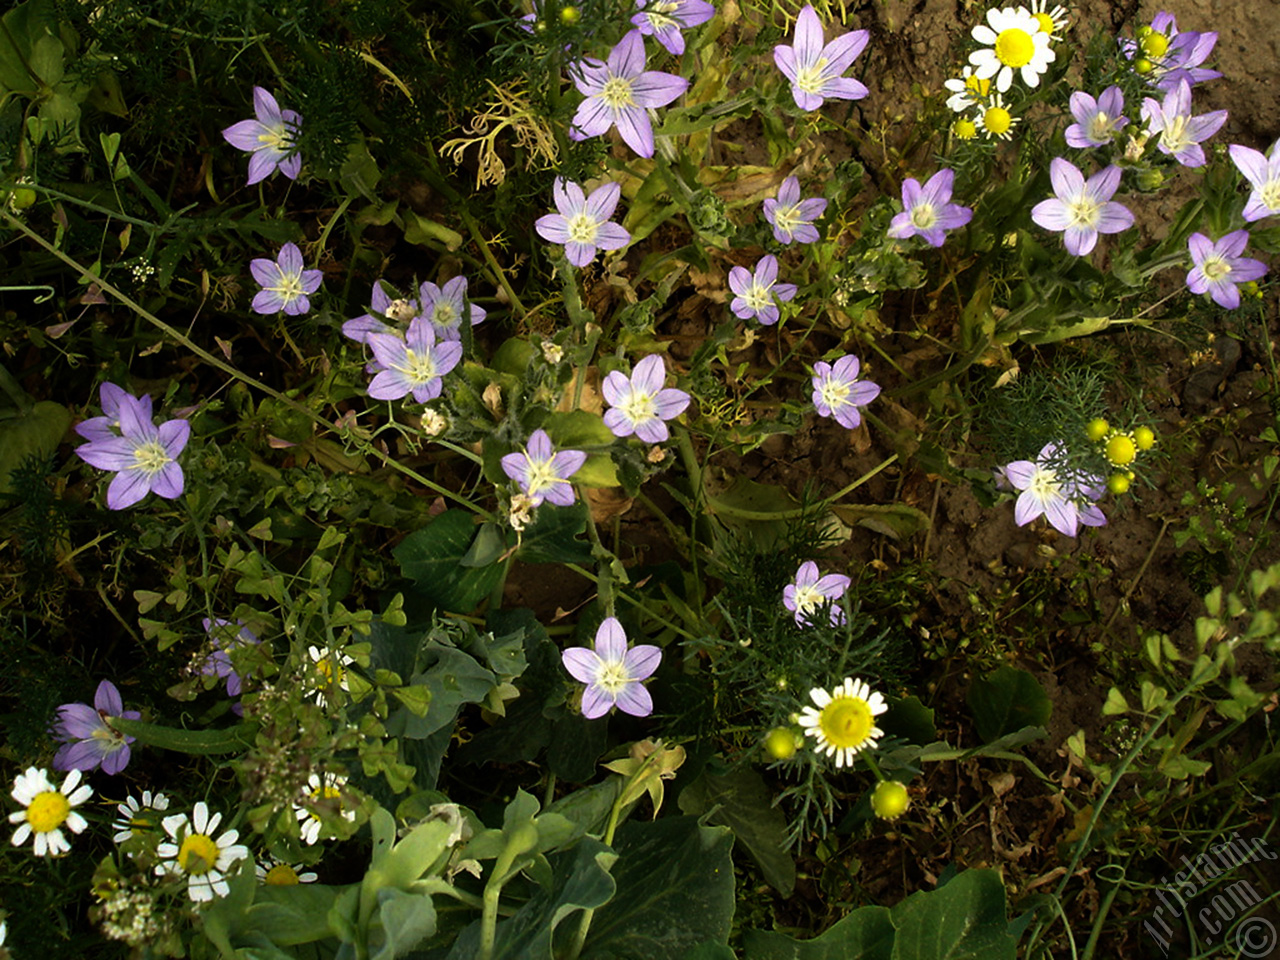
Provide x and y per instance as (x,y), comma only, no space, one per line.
(1121,449)
(1118,483)
(889,800)
(570,16)
(780,743)
(1144,437)
(1097,429)
(1150,179)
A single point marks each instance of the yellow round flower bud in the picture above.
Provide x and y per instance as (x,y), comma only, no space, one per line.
(1145,30)
(780,743)
(1154,44)
(1121,449)
(23,197)
(569,16)
(1097,429)
(1118,483)
(889,800)
(1144,437)
(1144,66)
(964,129)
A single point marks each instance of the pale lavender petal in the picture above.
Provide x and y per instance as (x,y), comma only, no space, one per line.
(783,291)
(670,403)
(656,89)
(389,385)
(634,699)
(568,462)
(540,447)
(1062,515)
(627,58)
(290,260)
(1079,240)
(592,118)
(268,301)
(290,166)
(807,574)
(262,163)
(516,466)
(169,482)
(579,254)
(1251,163)
(636,130)
(649,374)
(116,760)
(1026,509)
(1051,214)
(244,135)
(863,392)
(842,51)
(78,721)
(1067,180)
(611,641)
(610,236)
(583,665)
(114,454)
(553,228)
(1083,107)
(1113,217)
(785,58)
(652,430)
(603,201)
(808,39)
(266,107)
(126,489)
(595,702)
(1020,473)
(107,699)
(173,436)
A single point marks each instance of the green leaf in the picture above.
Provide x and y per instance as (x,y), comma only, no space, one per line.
(1179,767)
(1007,701)
(675,891)
(47,59)
(432,557)
(417,698)
(740,801)
(910,719)
(402,921)
(1116,703)
(865,934)
(453,678)
(35,432)
(553,536)
(964,920)
(294,914)
(202,743)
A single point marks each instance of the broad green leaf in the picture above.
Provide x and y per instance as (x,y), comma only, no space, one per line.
(35,432)
(293,914)
(865,934)
(1007,701)
(675,891)
(432,557)
(964,920)
(910,719)
(453,678)
(553,536)
(739,800)
(402,921)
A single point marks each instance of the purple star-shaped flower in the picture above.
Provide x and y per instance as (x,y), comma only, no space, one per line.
(582,222)
(814,67)
(359,328)
(542,472)
(792,218)
(1096,120)
(927,212)
(284,283)
(107,426)
(758,293)
(414,364)
(445,307)
(664,19)
(640,405)
(1049,489)
(1219,268)
(144,457)
(809,591)
(613,672)
(619,92)
(1263,174)
(1180,133)
(1081,210)
(838,393)
(89,739)
(269,138)
(225,639)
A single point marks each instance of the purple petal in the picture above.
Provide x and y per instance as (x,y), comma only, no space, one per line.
(1020,473)
(642,660)
(1251,163)
(290,260)
(173,436)
(808,40)
(126,489)
(516,466)
(652,430)
(650,374)
(603,201)
(785,58)
(635,700)
(85,755)
(568,462)
(592,118)
(116,760)
(807,574)
(540,447)
(107,699)
(1067,180)
(1051,214)
(843,50)
(595,702)
(627,58)
(610,236)
(670,403)
(1026,509)
(266,107)
(553,228)
(169,482)
(1062,514)
(262,163)
(78,721)
(1113,217)
(583,665)
(657,89)
(1079,240)
(244,135)
(635,129)
(114,454)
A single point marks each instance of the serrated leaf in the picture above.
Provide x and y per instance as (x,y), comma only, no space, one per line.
(553,537)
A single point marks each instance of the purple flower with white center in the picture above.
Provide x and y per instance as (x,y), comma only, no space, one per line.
(1219,267)
(226,640)
(613,672)
(838,393)
(1082,209)
(89,739)
(269,138)
(284,283)
(107,426)
(360,327)
(1048,490)
(815,68)
(582,223)
(543,472)
(758,293)
(445,306)
(792,218)
(619,93)
(664,19)
(927,212)
(1180,133)
(1263,174)
(1097,121)
(144,458)
(641,405)
(414,364)
(809,591)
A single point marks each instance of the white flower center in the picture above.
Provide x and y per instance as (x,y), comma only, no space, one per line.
(542,476)
(617,93)
(1270,193)
(289,286)
(639,407)
(757,296)
(445,314)
(613,677)
(1175,135)
(835,393)
(1215,267)
(923,216)
(786,219)
(811,79)
(1100,127)
(1083,211)
(659,15)
(807,599)
(583,228)
(420,368)
(150,458)
(1044,485)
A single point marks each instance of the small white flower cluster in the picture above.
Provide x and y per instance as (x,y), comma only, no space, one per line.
(130,916)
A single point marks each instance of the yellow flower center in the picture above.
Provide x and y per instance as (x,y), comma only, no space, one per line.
(330,670)
(542,476)
(613,677)
(1121,449)
(757,296)
(1154,45)
(639,407)
(1100,126)
(1270,193)
(846,722)
(835,394)
(924,216)
(807,599)
(965,129)
(48,811)
(659,15)
(1175,136)
(281,875)
(1046,23)
(276,138)
(419,368)
(1044,485)
(810,79)
(150,458)
(978,85)
(289,286)
(1014,47)
(997,120)
(445,314)
(198,854)
(1215,268)
(786,219)
(1083,212)
(583,228)
(617,93)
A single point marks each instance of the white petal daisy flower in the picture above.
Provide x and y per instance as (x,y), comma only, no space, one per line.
(134,818)
(967,90)
(324,793)
(196,855)
(331,665)
(1013,41)
(46,809)
(1053,20)
(995,120)
(843,721)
